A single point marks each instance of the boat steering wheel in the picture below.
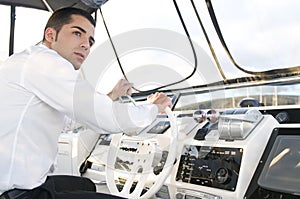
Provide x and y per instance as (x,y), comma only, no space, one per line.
(137,166)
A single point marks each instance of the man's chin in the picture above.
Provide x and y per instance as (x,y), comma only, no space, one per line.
(77,65)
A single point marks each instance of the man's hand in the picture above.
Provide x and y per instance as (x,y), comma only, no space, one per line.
(161,100)
(123,87)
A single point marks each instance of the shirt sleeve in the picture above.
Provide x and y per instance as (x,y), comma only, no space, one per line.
(55,82)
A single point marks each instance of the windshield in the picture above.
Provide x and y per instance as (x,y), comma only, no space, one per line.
(260,35)
(272,95)
(181,44)
(202,41)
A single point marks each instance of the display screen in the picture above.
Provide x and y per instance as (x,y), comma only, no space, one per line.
(105,139)
(282,169)
(160,127)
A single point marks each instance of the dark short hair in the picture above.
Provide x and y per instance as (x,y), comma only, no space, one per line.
(64,16)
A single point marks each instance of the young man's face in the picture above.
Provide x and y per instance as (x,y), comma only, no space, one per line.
(74,40)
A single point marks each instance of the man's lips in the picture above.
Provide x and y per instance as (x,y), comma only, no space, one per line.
(80,55)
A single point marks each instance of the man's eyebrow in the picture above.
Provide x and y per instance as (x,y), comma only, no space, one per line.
(78,27)
(84,31)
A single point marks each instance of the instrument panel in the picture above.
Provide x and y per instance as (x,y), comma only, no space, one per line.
(216,167)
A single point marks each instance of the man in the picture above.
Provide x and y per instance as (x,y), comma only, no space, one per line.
(37,89)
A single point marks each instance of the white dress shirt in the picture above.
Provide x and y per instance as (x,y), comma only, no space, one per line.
(37,89)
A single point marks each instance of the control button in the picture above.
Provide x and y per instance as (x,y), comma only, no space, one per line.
(282,117)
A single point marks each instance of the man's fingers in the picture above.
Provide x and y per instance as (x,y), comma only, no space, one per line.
(127,88)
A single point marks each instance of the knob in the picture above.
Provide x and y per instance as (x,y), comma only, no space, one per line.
(222,176)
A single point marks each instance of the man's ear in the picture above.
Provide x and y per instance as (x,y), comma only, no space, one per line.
(50,35)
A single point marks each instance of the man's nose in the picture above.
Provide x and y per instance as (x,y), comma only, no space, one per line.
(85,43)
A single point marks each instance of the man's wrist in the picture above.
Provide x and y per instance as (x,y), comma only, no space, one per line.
(110,95)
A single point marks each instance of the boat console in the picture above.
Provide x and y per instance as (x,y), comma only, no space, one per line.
(235,153)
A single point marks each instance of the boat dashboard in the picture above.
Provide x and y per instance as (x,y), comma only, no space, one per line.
(241,152)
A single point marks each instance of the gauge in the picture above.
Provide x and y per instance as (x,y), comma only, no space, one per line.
(282,117)
(199,116)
